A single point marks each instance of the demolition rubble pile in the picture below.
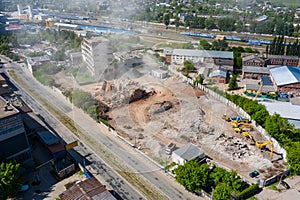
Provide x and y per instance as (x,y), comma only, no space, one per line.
(120,92)
(238,148)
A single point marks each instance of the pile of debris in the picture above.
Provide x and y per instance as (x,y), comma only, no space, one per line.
(239,149)
(119,92)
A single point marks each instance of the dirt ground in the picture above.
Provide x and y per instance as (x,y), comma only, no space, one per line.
(176,112)
(180,114)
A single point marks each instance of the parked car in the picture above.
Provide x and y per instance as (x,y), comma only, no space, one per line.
(254,174)
(284,184)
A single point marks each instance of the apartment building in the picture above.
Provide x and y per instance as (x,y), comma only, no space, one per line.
(98,57)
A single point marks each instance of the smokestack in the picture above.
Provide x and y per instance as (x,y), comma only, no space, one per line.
(19,9)
(30,11)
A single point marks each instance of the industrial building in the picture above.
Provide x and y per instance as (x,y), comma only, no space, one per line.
(129,59)
(280,60)
(254,72)
(199,56)
(98,57)
(14,143)
(286,79)
(250,59)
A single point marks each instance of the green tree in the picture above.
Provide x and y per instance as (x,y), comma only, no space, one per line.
(222,192)
(188,65)
(10,182)
(204,45)
(80,97)
(294,158)
(210,23)
(233,83)
(219,45)
(226,24)
(177,22)
(192,176)
(166,19)
(260,116)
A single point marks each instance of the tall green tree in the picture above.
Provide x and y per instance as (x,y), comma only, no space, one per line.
(10,182)
(166,19)
(192,175)
(210,23)
(233,83)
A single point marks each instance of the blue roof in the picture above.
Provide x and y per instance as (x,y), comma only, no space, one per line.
(285,75)
(48,137)
(218,73)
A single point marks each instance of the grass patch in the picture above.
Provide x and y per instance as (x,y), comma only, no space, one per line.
(273,187)
(80,172)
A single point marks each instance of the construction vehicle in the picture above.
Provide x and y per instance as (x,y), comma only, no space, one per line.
(247,135)
(264,144)
(242,128)
(236,124)
(229,118)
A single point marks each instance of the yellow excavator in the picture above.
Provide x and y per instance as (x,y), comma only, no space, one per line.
(247,135)
(236,124)
(242,127)
(263,145)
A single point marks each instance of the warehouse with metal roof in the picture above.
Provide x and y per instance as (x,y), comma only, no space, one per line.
(286,79)
(200,56)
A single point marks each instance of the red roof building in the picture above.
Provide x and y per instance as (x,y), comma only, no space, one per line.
(87,189)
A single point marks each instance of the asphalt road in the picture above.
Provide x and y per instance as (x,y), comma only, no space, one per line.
(83,154)
(126,155)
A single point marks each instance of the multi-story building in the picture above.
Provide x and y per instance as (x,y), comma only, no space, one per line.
(14,143)
(283,60)
(98,57)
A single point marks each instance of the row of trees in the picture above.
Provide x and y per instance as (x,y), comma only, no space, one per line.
(276,126)
(68,39)
(221,183)
(279,46)
(5,48)
(278,23)
(86,102)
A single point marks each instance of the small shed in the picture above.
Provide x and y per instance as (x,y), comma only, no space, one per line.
(159,73)
(187,153)
(218,76)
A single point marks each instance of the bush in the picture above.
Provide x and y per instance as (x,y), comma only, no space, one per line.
(246,193)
